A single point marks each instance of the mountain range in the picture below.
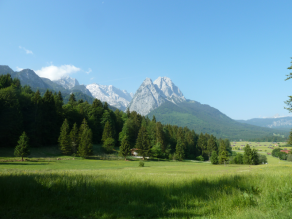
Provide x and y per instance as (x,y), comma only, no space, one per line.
(284,123)
(161,98)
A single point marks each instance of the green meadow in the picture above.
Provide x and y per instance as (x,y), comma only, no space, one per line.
(47,187)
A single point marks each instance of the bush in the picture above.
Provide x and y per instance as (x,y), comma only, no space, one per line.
(289,157)
(141,163)
(263,159)
(201,158)
(214,158)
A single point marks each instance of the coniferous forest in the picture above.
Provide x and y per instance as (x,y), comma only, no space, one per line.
(77,125)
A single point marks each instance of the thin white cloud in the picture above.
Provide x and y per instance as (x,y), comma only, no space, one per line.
(26,50)
(91,78)
(18,69)
(89,70)
(55,73)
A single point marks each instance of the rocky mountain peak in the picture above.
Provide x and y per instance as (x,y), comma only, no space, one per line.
(151,95)
(67,82)
(169,89)
(110,94)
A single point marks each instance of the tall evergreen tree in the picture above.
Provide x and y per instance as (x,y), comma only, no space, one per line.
(22,149)
(247,155)
(143,143)
(74,138)
(223,154)
(180,152)
(107,132)
(64,139)
(214,157)
(85,146)
(211,145)
(125,148)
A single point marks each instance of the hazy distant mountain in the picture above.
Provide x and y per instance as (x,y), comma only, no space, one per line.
(276,123)
(151,95)
(110,94)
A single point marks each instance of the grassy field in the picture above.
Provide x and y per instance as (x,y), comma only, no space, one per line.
(94,188)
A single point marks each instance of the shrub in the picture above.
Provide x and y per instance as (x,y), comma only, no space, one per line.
(141,163)
(289,157)
(201,158)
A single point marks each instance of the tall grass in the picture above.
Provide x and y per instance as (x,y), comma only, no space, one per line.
(129,193)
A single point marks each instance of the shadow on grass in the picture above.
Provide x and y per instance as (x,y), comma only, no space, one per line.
(24,163)
(87,196)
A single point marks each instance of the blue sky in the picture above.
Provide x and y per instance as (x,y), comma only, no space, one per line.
(232,55)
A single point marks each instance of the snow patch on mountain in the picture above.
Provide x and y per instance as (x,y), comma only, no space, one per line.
(67,82)
(110,94)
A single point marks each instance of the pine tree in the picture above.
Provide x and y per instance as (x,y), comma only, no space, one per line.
(64,139)
(107,132)
(290,138)
(109,145)
(72,99)
(223,154)
(214,158)
(85,145)
(74,138)
(125,147)
(180,152)
(211,146)
(153,119)
(247,159)
(142,143)
(22,149)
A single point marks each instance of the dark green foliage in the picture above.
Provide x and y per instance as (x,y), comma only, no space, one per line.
(290,138)
(223,153)
(200,158)
(180,151)
(143,143)
(107,132)
(109,145)
(64,139)
(85,145)
(214,158)
(74,139)
(238,159)
(263,159)
(125,148)
(276,152)
(22,149)
(247,159)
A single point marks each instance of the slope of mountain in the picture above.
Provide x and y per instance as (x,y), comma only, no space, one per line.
(276,123)
(110,94)
(206,119)
(151,95)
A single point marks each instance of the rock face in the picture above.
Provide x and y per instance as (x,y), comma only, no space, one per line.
(151,95)
(110,94)
(169,89)
(67,82)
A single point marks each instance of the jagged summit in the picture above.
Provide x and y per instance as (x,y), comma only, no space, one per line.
(151,95)
(110,94)
(169,89)
(67,82)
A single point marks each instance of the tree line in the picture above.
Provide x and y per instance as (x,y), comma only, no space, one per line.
(75,126)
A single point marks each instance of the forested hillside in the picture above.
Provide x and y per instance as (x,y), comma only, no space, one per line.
(41,117)
(203,118)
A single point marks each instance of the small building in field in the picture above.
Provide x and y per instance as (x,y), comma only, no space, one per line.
(285,151)
(134,151)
